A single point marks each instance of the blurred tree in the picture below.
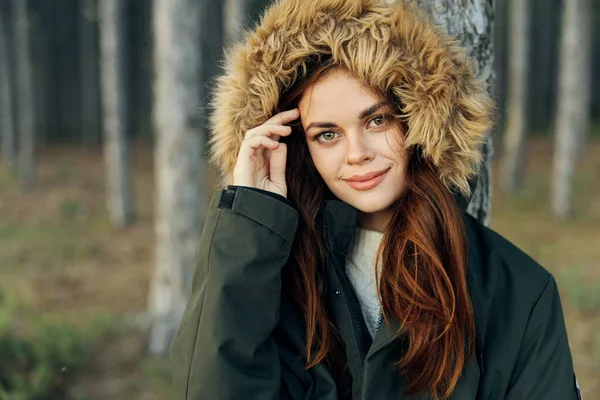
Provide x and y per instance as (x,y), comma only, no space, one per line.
(516,127)
(55,36)
(139,69)
(24,95)
(212,19)
(236,17)
(542,58)
(55,78)
(181,74)
(113,84)
(500,53)
(38,49)
(88,65)
(6,102)
(472,22)
(573,111)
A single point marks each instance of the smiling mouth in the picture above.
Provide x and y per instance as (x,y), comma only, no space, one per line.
(367,176)
(371,181)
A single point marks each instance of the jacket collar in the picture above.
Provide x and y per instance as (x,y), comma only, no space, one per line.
(339,221)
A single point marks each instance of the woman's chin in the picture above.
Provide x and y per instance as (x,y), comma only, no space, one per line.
(370,203)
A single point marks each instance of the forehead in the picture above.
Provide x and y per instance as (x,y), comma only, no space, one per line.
(336,97)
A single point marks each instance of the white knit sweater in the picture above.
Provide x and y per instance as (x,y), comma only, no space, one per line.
(360,268)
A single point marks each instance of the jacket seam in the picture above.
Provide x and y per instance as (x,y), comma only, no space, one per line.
(474,289)
(537,301)
(208,259)
(273,195)
(535,304)
(232,211)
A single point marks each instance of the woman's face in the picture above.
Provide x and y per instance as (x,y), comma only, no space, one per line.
(354,143)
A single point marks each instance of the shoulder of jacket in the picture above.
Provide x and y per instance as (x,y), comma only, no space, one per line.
(502,270)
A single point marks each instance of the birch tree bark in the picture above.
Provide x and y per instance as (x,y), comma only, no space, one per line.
(471,22)
(235,14)
(116,157)
(573,115)
(516,128)
(6,102)
(181,28)
(24,96)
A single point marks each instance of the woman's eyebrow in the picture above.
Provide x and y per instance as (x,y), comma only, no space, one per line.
(368,111)
(363,114)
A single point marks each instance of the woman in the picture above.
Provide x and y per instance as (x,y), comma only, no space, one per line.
(338,261)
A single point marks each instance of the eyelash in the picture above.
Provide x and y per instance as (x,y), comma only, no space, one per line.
(385,120)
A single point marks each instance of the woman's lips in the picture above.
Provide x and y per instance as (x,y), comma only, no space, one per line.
(368,184)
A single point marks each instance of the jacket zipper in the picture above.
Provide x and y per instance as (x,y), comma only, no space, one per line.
(353,303)
(379,321)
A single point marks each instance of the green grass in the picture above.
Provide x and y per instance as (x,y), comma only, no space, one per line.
(580,290)
(44,245)
(595,129)
(40,356)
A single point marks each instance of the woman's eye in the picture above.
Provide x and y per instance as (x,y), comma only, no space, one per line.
(326,136)
(379,120)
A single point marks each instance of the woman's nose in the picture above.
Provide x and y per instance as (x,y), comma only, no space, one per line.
(358,150)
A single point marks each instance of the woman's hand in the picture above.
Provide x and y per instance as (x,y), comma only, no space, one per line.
(261,160)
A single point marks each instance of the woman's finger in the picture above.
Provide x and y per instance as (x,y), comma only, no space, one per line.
(277,165)
(250,145)
(269,130)
(284,117)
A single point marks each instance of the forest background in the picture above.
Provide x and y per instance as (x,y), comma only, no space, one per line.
(89,228)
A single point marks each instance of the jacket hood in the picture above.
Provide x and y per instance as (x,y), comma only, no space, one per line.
(392,48)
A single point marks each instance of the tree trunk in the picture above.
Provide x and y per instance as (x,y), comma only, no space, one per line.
(116,157)
(573,119)
(212,39)
(179,166)
(500,64)
(24,96)
(89,88)
(235,18)
(39,45)
(471,22)
(516,127)
(6,102)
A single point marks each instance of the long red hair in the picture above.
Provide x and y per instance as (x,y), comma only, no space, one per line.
(423,255)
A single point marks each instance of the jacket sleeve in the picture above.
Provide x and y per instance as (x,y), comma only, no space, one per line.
(544,367)
(224,348)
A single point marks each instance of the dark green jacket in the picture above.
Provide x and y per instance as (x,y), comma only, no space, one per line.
(241,336)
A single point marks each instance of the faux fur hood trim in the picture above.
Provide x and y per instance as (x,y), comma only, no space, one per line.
(393,48)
